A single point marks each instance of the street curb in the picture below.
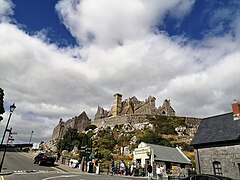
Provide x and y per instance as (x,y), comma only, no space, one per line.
(5,173)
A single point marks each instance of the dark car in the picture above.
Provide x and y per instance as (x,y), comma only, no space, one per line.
(44,159)
(206,177)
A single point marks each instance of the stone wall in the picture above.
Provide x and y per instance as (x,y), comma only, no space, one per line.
(78,122)
(228,156)
(148,107)
(81,122)
(124,119)
(58,130)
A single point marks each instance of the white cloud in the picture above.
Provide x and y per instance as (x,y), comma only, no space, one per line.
(109,22)
(6,9)
(48,83)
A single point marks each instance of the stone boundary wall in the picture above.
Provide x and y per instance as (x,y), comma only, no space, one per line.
(124,119)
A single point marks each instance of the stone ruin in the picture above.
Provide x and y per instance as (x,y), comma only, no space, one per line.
(133,106)
(131,111)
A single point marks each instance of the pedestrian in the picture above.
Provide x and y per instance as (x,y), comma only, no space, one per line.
(149,170)
(132,169)
(122,168)
(97,167)
(158,172)
(58,156)
(112,167)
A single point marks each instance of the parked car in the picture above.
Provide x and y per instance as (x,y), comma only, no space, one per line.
(206,177)
(44,159)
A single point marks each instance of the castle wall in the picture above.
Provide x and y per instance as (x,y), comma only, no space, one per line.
(56,131)
(147,107)
(79,123)
(124,119)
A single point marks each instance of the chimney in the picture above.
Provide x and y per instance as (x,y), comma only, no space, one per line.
(236,110)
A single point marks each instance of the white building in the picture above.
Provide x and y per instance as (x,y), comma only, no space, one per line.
(173,159)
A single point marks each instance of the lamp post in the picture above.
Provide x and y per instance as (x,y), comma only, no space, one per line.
(12,107)
(31,137)
(10,138)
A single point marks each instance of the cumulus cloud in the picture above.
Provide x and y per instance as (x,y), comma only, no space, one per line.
(6,9)
(111,22)
(119,51)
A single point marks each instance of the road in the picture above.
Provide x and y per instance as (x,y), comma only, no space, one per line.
(23,168)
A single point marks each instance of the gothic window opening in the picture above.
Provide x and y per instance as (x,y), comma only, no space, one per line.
(217,168)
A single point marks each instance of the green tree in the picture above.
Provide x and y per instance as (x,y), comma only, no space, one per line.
(103,144)
(91,126)
(166,124)
(1,103)
(152,137)
(70,139)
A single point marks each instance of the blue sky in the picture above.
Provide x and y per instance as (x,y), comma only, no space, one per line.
(59,58)
(204,17)
(41,15)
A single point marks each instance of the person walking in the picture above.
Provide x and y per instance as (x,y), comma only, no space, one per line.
(122,168)
(112,167)
(149,170)
(159,171)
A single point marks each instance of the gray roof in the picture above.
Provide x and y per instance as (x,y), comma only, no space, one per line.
(217,129)
(169,154)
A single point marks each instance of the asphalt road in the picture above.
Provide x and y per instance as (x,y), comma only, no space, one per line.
(23,168)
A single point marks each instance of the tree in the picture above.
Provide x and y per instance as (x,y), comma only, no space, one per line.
(166,124)
(104,143)
(91,126)
(70,139)
(1,103)
(152,137)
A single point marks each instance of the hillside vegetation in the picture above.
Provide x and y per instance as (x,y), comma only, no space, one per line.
(107,143)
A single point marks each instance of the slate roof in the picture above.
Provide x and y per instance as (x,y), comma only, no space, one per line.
(169,154)
(217,129)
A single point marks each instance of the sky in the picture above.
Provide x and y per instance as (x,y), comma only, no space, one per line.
(59,58)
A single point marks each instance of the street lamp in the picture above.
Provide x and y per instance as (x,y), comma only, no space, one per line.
(12,107)
(10,138)
(31,137)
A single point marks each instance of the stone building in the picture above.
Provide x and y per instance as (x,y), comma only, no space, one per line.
(130,110)
(133,112)
(78,122)
(217,144)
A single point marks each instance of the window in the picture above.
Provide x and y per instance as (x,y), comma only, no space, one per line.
(217,168)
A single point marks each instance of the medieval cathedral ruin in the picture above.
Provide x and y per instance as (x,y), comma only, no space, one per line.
(133,106)
(130,111)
